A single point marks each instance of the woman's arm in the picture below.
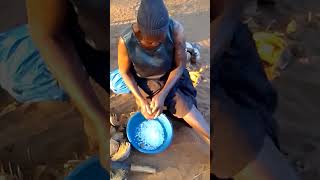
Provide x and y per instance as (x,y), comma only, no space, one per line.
(223,27)
(180,58)
(47,26)
(124,65)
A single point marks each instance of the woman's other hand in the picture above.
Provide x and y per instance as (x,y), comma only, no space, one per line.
(145,109)
(157,105)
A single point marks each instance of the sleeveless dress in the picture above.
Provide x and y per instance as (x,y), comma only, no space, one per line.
(159,62)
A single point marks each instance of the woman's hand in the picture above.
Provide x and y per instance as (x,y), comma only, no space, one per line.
(145,109)
(157,105)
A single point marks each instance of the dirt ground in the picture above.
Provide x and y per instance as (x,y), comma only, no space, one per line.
(51,137)
(187,157)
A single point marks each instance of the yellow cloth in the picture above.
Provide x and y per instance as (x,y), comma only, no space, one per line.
(270,47)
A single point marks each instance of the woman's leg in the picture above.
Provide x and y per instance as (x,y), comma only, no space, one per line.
(269,165)
(195,119)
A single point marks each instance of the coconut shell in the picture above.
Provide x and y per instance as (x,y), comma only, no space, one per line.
(114,120)
(114,147)
(123,152)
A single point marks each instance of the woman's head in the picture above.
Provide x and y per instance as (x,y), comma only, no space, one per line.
(153,20)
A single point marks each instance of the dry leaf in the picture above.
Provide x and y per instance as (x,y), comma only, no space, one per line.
(292,27)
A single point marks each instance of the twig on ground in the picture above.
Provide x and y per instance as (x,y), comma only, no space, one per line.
(270,24)
(200,173)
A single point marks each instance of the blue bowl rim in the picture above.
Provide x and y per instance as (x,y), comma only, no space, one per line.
(93,160)
(161,148)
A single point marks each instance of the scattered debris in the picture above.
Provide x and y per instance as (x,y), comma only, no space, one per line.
(112,130)
(123,119)
(118,174)
(197,176)
(133,167)
(11,172)
(118,136)
(9,108)
(304,60)
(196,75)
(292,27)
(144,169)
(122,128)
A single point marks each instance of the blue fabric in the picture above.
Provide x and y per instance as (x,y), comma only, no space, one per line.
(23,72)
(117,85)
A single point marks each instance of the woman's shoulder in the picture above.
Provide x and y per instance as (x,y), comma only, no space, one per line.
(126,33)
(176,30)
(175,24)
(175,27)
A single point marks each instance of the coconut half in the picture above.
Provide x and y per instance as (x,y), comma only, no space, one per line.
(114,147)
(122,153)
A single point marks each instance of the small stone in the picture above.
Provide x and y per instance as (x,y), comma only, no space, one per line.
(123,119)
(122,128)
(112,130)
(118,136)
(118,174)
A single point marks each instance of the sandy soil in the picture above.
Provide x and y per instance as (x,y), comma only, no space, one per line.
(188,156)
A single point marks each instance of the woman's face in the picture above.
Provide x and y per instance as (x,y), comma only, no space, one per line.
(152,41)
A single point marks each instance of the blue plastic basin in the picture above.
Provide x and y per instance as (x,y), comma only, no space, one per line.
(89,170)
(137,119)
